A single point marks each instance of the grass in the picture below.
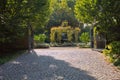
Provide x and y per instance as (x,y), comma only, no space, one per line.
(7,57)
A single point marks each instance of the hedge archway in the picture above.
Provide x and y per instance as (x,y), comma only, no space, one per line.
(64,29)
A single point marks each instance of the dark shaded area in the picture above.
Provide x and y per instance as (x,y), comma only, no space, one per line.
(15,45)
(34,67)
(113,33)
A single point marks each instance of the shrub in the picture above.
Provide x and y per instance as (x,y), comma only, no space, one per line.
(112,52)
(40,38)
(85,37)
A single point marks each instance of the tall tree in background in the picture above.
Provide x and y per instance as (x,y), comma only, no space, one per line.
(109,19)
(63,10)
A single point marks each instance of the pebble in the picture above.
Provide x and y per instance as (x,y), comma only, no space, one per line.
(64,63)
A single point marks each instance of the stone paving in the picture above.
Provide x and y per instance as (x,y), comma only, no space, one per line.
(61,63)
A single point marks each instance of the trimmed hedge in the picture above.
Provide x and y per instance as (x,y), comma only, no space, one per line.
(42,45)
(63,45)
(112,52)
(83,45)
(40,38)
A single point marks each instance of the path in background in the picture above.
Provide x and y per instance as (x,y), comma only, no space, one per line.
(59,63)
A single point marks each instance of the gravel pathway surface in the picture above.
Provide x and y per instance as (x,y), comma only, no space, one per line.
(61,63)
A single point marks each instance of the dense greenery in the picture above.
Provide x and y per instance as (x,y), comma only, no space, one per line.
(58,33)
(105,16)
(85,37)
(102,14)
(112,52)
(62,10)
(40,38)
(39,41)
(16,16)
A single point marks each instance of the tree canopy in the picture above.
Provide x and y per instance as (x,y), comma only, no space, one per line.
(63,10)
(103,14)
(15,15)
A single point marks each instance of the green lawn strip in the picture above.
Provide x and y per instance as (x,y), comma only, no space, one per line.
(12,55)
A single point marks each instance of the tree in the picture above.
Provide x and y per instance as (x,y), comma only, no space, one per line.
(17,16)
(109,19)
(102,14)
(85,11)
(63,10)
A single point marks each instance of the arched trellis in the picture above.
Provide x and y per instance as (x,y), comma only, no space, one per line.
(59,30)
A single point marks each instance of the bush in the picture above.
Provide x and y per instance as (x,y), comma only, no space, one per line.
(85,37)
(40,38)
(112,52)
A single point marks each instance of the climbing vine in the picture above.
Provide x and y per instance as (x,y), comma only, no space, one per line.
(64,28)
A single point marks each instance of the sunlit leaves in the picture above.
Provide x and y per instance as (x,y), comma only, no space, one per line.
(85,37)
(85,10)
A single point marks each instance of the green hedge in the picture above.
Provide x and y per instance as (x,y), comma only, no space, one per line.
(40,38)
(42,45)
(63,45)
(112,52)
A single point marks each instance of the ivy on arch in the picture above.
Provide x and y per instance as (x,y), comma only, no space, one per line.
(64,28)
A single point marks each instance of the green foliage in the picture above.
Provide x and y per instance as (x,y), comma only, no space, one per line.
(16,14)
(85,37)
(64,29)
(104,11)
(112,51)
(85,10)
(63,10)
(100,13)
(40,38)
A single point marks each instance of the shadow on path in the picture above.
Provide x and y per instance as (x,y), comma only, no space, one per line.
(33,67)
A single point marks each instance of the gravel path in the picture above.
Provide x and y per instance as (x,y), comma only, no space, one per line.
(62,63)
